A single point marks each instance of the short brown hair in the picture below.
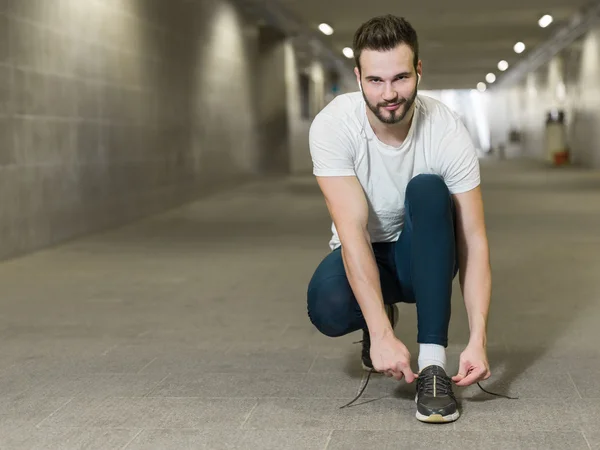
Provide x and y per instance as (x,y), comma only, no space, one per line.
(385,33)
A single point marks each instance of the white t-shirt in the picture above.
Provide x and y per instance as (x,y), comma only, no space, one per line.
(342,143)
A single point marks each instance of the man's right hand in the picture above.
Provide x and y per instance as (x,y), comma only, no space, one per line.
(391,357)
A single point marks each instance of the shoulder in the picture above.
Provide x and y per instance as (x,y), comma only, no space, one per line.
(437,113)
(340,119)
(343,104)
(445,126)
(333,141)
(454,156)
(343,109)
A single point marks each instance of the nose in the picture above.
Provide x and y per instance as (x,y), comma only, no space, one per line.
(389,94)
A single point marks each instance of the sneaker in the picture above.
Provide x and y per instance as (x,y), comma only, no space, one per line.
(435,400)
(392,313)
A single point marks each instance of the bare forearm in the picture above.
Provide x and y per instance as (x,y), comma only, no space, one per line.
(476,285)
(363,276)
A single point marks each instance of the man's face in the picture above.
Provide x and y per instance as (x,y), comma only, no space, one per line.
(389,82)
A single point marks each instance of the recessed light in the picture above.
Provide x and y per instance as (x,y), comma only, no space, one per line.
(545,20)
(490,77)
(481,87)
(519,47)
(348,53)
(326,29)
(502,65)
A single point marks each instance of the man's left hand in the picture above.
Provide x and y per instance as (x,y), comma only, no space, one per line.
(473,366)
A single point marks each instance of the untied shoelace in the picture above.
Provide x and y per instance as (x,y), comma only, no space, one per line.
(362,389)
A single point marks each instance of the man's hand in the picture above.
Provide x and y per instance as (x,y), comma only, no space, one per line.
(473,366)
(390,356)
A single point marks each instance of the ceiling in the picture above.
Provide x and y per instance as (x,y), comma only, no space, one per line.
(460,41)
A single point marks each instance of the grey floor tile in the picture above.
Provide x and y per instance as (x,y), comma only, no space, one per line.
(593,439)
(265,384)
(587,383)
(524,385)
(64,438)
(432,438)
(337,362)
(181,360)
(324,414)
(539,362)
(101,385)
(14,381)
(135,413)
(23,410)
(519,415)
(232,361)
(587,413)
(230,439)
(166,340)
(294,361)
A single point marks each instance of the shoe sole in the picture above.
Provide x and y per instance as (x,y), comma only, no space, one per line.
(437,418)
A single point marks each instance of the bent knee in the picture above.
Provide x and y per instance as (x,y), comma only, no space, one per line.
(428,193)
(331,308)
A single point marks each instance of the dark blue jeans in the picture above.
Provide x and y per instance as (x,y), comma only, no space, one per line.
(418,268)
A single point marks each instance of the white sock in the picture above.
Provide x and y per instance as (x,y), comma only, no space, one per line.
(430,355)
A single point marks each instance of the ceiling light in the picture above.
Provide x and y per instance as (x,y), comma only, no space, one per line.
(326,29)
(502,65)
(348,53)
(545,21)
(490,78)
(519,47)
(481,87)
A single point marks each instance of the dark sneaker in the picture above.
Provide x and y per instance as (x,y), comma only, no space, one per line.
(392,313)
(435,400)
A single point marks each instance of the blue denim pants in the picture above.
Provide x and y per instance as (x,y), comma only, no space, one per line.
(418,268)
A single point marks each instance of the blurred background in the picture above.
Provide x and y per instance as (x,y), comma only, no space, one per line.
(111,110)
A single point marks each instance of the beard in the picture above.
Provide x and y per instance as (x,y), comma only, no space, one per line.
(392,117)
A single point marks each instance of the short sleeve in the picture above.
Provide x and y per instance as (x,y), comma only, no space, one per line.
(331,147)
(459,163)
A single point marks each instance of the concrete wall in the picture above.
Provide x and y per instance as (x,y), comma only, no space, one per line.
(300,161)
(112,110)
(570,82)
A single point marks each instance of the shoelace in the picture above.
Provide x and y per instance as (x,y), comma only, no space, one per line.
(362,389)
(442,384)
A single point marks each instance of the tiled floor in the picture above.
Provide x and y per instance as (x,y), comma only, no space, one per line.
(190,331)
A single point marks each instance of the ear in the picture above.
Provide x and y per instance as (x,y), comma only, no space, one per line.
(419,69)
(357,73)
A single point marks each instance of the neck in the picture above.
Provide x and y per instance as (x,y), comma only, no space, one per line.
(392,134)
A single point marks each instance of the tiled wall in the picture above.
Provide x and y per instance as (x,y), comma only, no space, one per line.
(111,110)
